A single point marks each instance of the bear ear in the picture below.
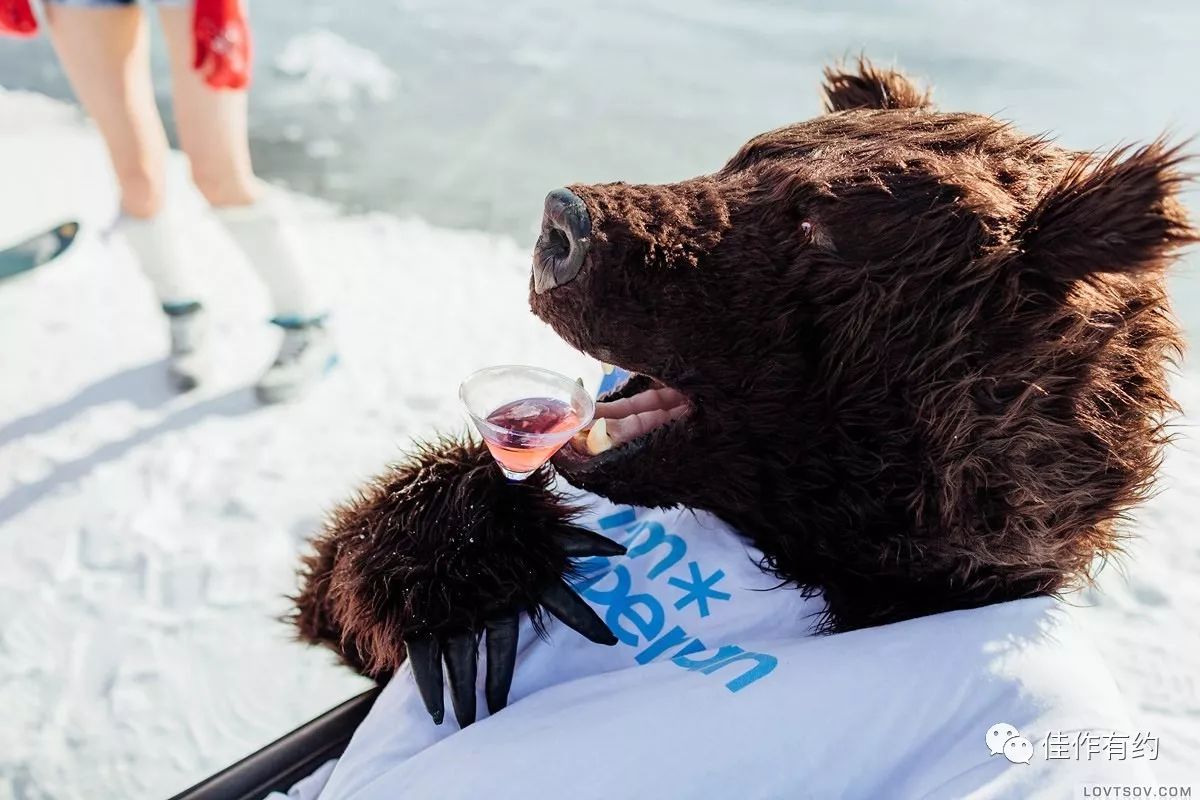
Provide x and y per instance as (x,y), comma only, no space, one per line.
(871,87)
(1119,213)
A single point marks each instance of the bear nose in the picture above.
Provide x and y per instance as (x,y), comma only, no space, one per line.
(563,244)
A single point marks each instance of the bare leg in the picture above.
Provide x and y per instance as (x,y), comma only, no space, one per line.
(212,123)
(106,55)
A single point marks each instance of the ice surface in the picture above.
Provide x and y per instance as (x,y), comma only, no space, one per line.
(148,539)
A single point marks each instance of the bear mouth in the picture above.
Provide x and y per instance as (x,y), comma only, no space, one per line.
(628,418)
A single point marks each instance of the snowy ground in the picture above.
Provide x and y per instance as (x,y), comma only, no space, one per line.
(148,539)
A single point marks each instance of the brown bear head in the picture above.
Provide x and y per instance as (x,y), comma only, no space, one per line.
(918,357)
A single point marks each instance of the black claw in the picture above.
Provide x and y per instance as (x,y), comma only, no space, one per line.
(578,542)
(501,660)
(461,663)
(561,601)
(425,658)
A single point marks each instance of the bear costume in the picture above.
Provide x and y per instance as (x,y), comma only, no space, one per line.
(896,377)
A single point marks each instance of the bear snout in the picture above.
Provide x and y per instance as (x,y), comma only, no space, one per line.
(563,244)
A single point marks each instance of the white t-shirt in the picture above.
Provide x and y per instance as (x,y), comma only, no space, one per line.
(718,688)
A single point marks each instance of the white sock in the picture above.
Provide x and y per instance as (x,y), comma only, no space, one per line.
(270,242)
(156,244)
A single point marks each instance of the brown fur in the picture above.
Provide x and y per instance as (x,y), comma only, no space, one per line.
(439,543)
(871,87)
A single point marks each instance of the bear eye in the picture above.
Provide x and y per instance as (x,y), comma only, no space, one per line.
(812,235)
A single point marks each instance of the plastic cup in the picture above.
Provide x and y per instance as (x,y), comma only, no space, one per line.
(525,414)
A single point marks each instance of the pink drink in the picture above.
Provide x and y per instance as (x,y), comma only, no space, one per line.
(525,414)
(519,444)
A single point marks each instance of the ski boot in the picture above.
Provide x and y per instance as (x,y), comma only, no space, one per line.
(305,355)
(186,363)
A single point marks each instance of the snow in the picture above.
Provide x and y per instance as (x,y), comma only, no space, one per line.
(149,539)
(329,69)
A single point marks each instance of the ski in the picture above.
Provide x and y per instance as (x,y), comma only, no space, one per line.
(37,250)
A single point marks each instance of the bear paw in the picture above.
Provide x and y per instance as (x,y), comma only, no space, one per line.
(435,555)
